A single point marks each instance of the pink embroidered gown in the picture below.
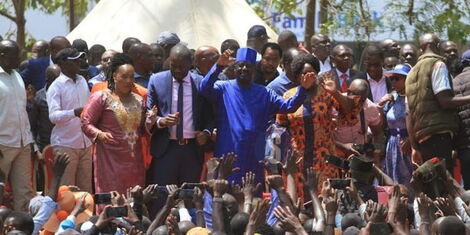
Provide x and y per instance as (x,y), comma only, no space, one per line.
(119,165)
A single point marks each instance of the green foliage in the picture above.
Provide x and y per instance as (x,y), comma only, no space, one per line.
(264,8)
(449,19)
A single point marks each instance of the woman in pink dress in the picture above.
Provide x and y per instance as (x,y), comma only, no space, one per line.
(114,120)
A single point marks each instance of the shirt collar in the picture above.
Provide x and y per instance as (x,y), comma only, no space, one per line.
(50,60)
(327,60)
(284,79)
(186,79)
(370,79)
(340,73)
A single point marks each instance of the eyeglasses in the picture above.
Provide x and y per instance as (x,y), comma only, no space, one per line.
(106,59)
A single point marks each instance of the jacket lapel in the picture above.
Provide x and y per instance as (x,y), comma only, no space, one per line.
(195,102)
(169,88)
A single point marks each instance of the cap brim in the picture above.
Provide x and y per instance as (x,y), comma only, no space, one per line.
(76,57)
(399,72)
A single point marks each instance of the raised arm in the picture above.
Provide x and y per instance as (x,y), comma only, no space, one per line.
(208,88)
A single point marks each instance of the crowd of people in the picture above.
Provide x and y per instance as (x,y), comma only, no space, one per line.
(267,138)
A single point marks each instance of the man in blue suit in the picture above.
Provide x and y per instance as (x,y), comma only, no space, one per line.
(184,122)
(35,72)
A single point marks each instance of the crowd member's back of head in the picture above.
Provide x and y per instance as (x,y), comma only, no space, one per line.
(287,40)
(18,221)
(94,55)
(127,43)
(239,222)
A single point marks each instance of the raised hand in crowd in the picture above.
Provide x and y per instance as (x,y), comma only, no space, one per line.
(212,167)
(220,188)
(239,195)
(171,201)
(257,216)
(199,206)
(58,169)
(308,80)
(225,58)
(288,221)
(149,193)
(172,225)
(225,167)
(331,207)
(80,206)
(424,205)
(249,190)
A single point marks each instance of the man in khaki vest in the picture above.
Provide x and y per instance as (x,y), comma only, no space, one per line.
(432,119)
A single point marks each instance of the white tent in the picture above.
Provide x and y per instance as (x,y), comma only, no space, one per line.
(197,22)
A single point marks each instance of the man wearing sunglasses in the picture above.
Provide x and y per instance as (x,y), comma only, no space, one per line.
(105,62)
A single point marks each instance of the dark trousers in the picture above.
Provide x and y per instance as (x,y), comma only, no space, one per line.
(440,146)
(180,164)
(464,156)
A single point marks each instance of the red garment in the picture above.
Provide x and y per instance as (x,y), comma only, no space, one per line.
(118,165)
(145,139)
(344,85)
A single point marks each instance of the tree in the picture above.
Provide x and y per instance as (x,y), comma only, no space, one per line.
(14,10)
(448,18)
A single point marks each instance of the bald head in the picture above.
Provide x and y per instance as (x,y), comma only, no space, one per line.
(409,54)
(449,50)
(287,39)
(390,47)
(144,61)
(40,49)
(359,87)
(205,57)
(429,43)
(321,46)
(9,55)
(52,72)
(57,44)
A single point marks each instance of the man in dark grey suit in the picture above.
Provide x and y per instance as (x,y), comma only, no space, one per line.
(342,73)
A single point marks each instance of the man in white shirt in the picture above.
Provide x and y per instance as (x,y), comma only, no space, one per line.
(66,97)
(15,134)
(378,83)
(321,49)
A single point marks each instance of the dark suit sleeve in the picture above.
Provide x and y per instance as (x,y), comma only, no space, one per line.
(26,74)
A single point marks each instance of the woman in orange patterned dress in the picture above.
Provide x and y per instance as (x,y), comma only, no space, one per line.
(312,125)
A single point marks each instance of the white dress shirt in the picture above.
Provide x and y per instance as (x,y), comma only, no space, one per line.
(15,130)
(63,96)
(188,125)
(378,89)
(325,66)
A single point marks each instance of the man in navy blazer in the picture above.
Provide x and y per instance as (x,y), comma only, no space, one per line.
(184,123)
(35,72)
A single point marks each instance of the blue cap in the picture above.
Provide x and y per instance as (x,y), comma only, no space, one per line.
(246,54)
(401,69)
(466,56)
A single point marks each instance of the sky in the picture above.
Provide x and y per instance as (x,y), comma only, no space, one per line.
(39,24)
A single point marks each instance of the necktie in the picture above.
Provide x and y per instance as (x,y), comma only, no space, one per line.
(179,127)
(344,85)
